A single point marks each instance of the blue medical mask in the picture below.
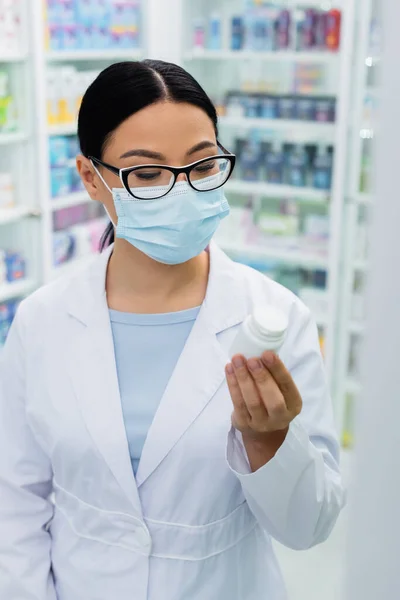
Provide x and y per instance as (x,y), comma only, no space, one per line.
(172,229)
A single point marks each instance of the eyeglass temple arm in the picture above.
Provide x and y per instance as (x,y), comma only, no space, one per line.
(105,165)
(224,150)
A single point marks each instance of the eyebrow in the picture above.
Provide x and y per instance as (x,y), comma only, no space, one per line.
(158,156)
(201,146)
(144,153)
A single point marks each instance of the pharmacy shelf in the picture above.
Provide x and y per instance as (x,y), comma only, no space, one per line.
(359,203)
(364,198)
(10,215)
(63,129)
(13,137)
(307,129)
(16,289)
(321,321)
(277,191)
(325,58)
(98,55)
(373,91)
(361,265)
(353,386)
(74,199)
(14,57)
(356,328)
(372,61)
(291,256)
(72,266)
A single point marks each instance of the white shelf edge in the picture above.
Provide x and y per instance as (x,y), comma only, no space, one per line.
(63,129)
(72,265)
(16,289)
(13,137)
(10,215)
(294,256)
(279,56)
(361,265)
(73,199)
(357,328)
(321,321)
(82,55)
(353,386)
(308,127)
(364,198)
(276,190)
(14,57)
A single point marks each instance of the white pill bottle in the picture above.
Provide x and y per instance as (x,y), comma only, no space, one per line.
(264,329)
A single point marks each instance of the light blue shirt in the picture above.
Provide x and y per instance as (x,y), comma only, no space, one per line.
(147,348)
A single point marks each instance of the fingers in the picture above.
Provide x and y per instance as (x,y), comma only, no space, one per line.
(264,395)
(284,381)
(270,393)
(241,414)
(256,410)
(249,390)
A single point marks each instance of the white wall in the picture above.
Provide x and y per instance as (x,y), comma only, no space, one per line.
(374,524)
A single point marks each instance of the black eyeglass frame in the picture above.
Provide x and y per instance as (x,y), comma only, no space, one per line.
(124,173)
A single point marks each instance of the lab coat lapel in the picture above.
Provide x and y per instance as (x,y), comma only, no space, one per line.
(200,369)
(94,376)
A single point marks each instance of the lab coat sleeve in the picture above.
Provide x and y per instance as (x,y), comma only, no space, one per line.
(297,496)
(25,485)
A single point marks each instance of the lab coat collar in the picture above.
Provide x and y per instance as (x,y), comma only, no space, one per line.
(195,380)
(224,296)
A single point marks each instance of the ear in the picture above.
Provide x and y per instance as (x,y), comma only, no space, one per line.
(89,177)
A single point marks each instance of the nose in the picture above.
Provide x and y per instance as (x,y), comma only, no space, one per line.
(181,177)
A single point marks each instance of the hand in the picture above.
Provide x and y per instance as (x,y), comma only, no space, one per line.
(264,396)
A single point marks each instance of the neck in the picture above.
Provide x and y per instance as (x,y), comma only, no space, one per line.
(137,283)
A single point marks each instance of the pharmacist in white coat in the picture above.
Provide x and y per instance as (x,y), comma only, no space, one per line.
(136,461)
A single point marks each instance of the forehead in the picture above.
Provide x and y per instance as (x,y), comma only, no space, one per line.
(162,127)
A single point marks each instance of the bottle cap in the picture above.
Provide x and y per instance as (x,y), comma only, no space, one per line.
(270,321)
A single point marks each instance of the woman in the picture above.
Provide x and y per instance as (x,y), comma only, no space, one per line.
(117,392)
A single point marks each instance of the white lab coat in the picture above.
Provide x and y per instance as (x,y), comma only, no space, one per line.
(196,524)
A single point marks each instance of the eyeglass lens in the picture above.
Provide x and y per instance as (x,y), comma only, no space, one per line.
(154,182)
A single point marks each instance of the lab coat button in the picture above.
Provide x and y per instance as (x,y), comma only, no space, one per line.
(143,538)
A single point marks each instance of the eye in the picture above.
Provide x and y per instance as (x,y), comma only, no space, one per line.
(146,175)
(206,167)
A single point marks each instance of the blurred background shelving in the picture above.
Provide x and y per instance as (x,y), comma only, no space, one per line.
(279,74)
(360,202)
(296,103)
(50,51)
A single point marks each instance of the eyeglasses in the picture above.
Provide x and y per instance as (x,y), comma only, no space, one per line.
(149,182)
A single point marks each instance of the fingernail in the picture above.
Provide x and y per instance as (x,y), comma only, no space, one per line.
(254,364)
(238,362)
(229,369)
(269,358)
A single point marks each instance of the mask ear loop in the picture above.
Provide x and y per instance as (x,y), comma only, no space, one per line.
(108,187)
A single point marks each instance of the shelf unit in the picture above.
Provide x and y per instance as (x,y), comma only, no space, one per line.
(70,267)
(20,224)
(236,186)
(13,137)
(355,264)
(220,71)
(74,199)
(43,60)
(93,55)
(27,227)
(304,129)
(15,214)
(8,291)
(324,58)
(15,57)
(297,257)
(63,129)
